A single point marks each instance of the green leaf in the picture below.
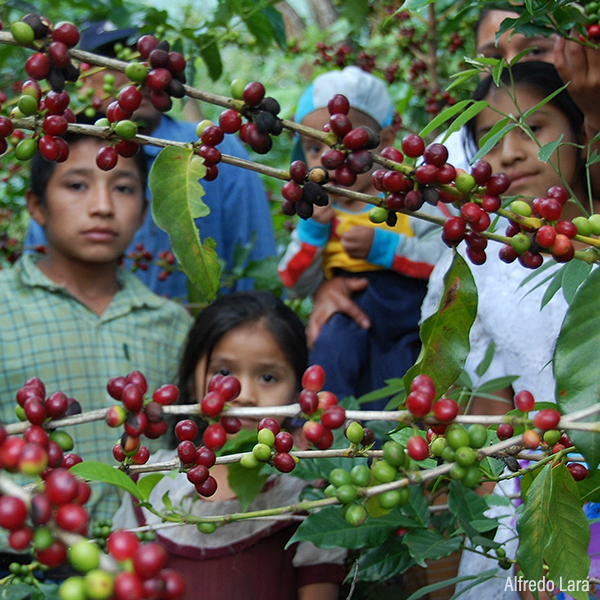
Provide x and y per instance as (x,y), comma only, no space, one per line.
(574,274)
(566,552)
(246,483)
(444,116)
(328,529)
(577,362)
(534,526)
(97,471)
(462,77)
(176,202)
(499,383)
(211,55)
(463,502)
(445,334)
(147,483)
(428,544)
(490,139)
(546,151)
(484,365)
(385,561)
(416,507)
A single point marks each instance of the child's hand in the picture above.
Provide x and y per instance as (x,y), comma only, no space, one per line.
(323,214)
(357,241)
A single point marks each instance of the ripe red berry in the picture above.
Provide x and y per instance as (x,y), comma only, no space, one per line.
(340,124)
(72,517)
(146,44)
(454,230)
(253,93)
(10,452)
(524,401)
(298,170)
(269,423)
(13,512)
(547,418)
(176,62)
(392,153)
(284,462)
(158,79)
(214,436)
(338,105)
(212,404)
(445,409)
(198,474)
(531,439)
(67,33)
(567,228)
(61,486)
(115,387)
(559,193)
(497,184)
(19,539)
(417,447)
(166,394)
(35,410)
(491,203)
(283,441)
(38,66)
(313,378)
(230,121)
(132,397)
(59,54)
(229,388)
(148,560)
(53,556)
(309,401)
(413,145)
(333,416)
(578,471)
(107,158)
(424,384)
(426,174)
(481,172)
(212,135)
(545,236)
(208,487)
(186,430)
(313,431)
(418,403)
(436,154)
(139,380)
(130,98)
(205,456)
(128,586)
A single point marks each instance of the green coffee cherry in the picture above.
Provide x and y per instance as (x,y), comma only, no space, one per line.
(465,183)
(136,72)
(346,493)
(360,475)
(378,214)
(249,461)
(206,527)
(583,226)
(126,129)
(262,452)
(339,477)
(22,32)
(520,243)
(383,471)
(520,207)
(26,149)
(394,454)
(355,432)
(237,88)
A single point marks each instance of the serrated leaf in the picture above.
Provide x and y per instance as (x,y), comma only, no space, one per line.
(577,363)
(566,552)
(546,151)
(534,526)
(97,471)
(328,529)
(427,544)
(147,483)
(445,334)
(176,202)
(384,562)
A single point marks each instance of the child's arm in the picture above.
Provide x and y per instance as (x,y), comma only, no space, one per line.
(300,268)
(413,256)
(319,591)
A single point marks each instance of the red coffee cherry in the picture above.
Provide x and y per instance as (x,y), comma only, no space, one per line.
(524,401)
(417,447)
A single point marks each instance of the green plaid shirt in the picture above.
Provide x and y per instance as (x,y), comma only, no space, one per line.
(47,333)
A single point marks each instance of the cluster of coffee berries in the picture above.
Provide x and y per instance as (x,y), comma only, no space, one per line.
(358,435)
(304,191)
(553,235)
(144,573)
(320,407)
(273,446)
(163,73)
(210,136)
(261,111)
(52,62)
(421,400)
(140,257)
(592,26)
(346,485)
(138,415)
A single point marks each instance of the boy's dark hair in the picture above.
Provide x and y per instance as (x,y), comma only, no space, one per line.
(41,169)
(234,310)
(539,77)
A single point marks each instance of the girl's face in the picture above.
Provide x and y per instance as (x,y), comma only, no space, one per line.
(517,155)
(252,355)
(510,44)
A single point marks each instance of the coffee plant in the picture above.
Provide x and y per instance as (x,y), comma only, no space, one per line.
(382,470)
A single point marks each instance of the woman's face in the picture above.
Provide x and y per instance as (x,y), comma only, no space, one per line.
(251,354)
(510,44)
(516,154)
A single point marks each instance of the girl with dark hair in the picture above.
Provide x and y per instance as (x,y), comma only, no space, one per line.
(256,338)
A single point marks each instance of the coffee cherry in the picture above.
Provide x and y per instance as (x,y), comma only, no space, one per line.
(383,471)
(208,488)
(54,555)
(313,378)
(269,423)
(145,45)
(25,149)
(354,432)
(38,66)
(33,459)
(214,437)
(309,401)
(253,93)
(453,231)
(481,172)
(132,397)
(418,403)
(197,474)
(283,442)
(338,105)
(13,512)
(413,145)
(445,409)
(355,514)
(477,435)
(230,121)
(72,517)
(524,401)
(417,447)
(230,424)
(559,193)
(59,54)
(340,124)
(186,451)
(205,456)
(392,153)
(547,418)
(394,454)
(531,439)
(497,184)
(67,33)
(139,380)
(491,203)
(174,583)
(435,154)
(107,158)
(136,72)
(212,404)
(158,58)
(22,32)
(578,471)
(313,431)
(545,236)
(333,417)
(262,452)
(284,462)
(166,394)
(19,539)
(158,79)
(128,586)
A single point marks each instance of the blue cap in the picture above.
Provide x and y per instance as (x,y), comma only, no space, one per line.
(101,33)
